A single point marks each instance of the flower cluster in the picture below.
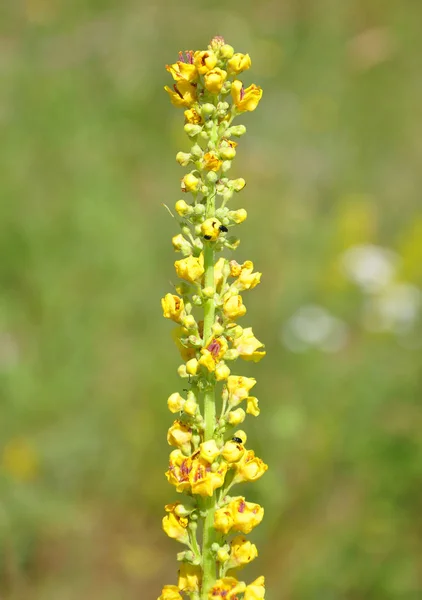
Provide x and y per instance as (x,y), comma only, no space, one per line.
(210,455)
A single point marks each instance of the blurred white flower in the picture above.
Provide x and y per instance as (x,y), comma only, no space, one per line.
(314,326)
(371,267)
(396,308)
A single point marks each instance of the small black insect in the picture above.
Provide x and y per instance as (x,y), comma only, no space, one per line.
(238,440)
(223,228)
(207,237)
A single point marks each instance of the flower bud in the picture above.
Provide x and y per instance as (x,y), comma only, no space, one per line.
(227,153)
(192,130)
(231,354)
(238,216)
(212,176)
(222,555)
(235,417)
(222,371)
(175,402)
(208,292)
(182,372)
(196,150)
(190,407)
(190,183)
(237,184)
(226,51)
(236,130)
(204,136)
(214,80)
(182,208)
(209,451)
(183,158)
(199,210)
(180,244)
(217,329)
(226,166)
(207,109)
(192,366)
(189,322)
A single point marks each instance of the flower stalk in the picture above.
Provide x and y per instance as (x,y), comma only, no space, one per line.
(209,455)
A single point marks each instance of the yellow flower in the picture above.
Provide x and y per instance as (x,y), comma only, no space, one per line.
(226,51)
(181,70)
(190,577)
(210,229)
(226,588)
(182,208)
(190,407)
(222,371)
(238,63)
(252,407)
(179,434)
(182,94)
(204,60)
(255,590)
(175,402)
(209,451)
(20,460)
(189,183)
(245,100)
(180,244)
(235,417)
(214,80)
(246,279)
(175,526)
(232,451)
(179,469)
(245,515)
(207,360)
(190,268)
(223,520)
(211,161)
(242,552)
(248,346)
(192,116)
(203,479)
(238,216)
(250,467)
(233,306)
(239,387)
(173,307)
(170,592)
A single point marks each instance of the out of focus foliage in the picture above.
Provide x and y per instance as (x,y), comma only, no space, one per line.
(332,161)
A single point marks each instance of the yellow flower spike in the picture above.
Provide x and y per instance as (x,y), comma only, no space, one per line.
(190,183)
(175,402)
(233,307)
(176,527)
(242,552)
(173,307)
(204,481)
(245,515)
(238,63)
(179,434)
(226,588)
(190,578)
(221,372)
(204,60)
(182,94)
(209,451)
(181,70)
(232,451)
(252,407)
(190,268)
(239,387)
(170,592)
(206,302)
(179,470)
(255,590)
(250,467)
(248,346)
(214,80)
(245,99)
(235,417)
(192,366)
(211,161)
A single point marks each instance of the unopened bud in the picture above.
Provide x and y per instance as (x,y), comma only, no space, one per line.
(226,51)
(183,158)
(191,366)
(182,208)
(235,417)
(182,372)
(196,150)
(208,292)
(189,322)
(207,110)
(226,166)
(237,184)
(227,153)
(238,216)
(199,210)
(236,130)
(217,329)
(192,130)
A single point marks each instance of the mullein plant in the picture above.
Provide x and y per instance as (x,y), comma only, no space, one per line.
(210,455)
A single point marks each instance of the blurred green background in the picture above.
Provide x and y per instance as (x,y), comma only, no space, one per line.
(332,160)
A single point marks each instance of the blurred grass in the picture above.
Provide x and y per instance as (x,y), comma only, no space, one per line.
(87,159)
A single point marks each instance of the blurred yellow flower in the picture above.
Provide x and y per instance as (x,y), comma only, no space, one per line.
(255,590)
(182,94)
(226,588)
(20,460)
(245,99)
(175,526)
(238,63)
(170,592)
(248,346)
(173,307)
(190,577)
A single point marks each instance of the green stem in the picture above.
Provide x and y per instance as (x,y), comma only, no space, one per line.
(208,535)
